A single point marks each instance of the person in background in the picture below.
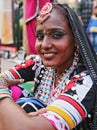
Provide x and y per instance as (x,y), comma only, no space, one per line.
(92,29)
(84,11)
(64,73)
(32,8)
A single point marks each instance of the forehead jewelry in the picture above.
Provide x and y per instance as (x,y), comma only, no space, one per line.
(44,13)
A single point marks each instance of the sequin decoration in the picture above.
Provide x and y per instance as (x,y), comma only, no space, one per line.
(44,13)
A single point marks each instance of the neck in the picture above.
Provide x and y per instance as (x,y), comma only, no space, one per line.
(62,69)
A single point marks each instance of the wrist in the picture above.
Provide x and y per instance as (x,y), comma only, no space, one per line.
(5,93)
(3,83)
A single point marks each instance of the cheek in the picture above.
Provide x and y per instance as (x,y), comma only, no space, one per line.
(70,50)
(37,46)
(67,48)
(64,45)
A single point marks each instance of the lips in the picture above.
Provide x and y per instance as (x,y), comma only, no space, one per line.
(49,55)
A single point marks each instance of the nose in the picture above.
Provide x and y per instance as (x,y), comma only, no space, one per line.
(46,43)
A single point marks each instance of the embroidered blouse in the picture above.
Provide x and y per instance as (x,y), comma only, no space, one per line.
(67,104)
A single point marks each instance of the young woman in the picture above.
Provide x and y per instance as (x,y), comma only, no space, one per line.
(64,73)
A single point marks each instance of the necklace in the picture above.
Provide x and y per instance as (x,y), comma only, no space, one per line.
(57,77)
(47,90)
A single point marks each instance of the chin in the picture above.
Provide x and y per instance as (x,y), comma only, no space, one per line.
(49,65)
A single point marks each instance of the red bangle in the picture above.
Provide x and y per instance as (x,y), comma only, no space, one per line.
(75,104)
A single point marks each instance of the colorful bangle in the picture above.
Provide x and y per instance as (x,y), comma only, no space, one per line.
(63,114)
(75,104)
(5,96)
(4,90)
(3,83)
(5,93)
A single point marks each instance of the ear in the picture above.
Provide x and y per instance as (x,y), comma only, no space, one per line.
(75,43)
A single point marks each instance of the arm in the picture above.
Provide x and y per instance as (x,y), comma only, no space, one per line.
(72,107)
(12,117)
(21,71)
(25,70)
(66,112)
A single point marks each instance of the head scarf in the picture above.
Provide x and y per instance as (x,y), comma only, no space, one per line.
(86,50)
(85,47)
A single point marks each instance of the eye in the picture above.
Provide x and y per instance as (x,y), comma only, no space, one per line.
(57,34)
(39,36)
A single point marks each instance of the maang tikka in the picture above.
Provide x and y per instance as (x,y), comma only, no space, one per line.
(44,13)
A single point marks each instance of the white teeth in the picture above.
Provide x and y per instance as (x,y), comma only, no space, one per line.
(50,54)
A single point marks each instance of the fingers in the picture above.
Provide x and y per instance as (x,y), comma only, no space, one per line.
(43,110)
(32,114)
(14,82)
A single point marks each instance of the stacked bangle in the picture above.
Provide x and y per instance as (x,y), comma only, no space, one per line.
(4,92)
(3,83)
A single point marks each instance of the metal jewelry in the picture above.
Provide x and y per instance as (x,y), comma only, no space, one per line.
(44,13)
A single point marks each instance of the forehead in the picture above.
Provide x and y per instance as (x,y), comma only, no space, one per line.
(55,20)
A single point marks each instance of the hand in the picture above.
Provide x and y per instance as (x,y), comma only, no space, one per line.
(13,82)
(33,114)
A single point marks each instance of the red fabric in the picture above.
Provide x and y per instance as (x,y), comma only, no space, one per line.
(30,26)
(30,31)
(30,8)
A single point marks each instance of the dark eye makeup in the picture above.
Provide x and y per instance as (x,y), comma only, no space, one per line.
(53,33)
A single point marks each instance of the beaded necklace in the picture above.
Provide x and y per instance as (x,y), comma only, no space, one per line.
(47,91)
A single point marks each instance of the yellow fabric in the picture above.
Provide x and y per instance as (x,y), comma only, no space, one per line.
(63,114)
(93,29)
(1,75)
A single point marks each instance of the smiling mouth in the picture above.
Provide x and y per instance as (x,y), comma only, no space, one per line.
(48,55)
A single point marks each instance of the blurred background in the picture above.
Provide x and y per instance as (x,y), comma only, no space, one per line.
(13,38)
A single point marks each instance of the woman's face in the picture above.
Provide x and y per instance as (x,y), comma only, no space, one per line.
(55,42)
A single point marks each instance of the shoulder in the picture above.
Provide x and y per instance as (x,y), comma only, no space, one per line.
(80,81)
(83,76)
(34,58)
(80,85)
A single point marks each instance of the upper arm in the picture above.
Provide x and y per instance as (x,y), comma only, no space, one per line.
(71,107)
(25,70)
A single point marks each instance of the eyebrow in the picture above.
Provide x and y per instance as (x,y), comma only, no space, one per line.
(52,29)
